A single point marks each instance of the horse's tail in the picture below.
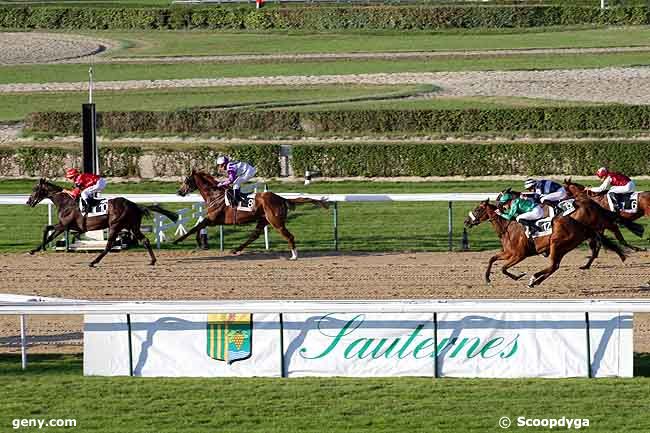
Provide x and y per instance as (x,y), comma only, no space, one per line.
(159,209)
(635,228)
(612,246)
(292,202)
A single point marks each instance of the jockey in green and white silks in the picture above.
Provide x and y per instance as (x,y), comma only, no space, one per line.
(524,210)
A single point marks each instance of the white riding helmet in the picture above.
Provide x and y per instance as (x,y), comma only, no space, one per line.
(529,183)
(222,159)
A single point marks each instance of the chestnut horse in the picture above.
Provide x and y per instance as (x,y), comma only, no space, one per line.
(516,246)
(122,214)
(643,209)
(269,208)
(600,219)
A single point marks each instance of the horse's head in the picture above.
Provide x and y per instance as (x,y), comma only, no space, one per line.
(480,214)
(188,185)
(574,189)
(42,190)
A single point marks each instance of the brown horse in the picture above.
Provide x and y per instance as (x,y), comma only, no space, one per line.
(643,205)
(122,214)
(567,235)
(268,209)
(600,219)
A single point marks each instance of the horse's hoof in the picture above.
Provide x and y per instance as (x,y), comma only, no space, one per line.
(531,282)
(519,277)
(31,253)
(152,263)
(585,267)
(91,265)
(235,252)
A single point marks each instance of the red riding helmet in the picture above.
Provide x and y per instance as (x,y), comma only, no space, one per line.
(71,173)
(602,172)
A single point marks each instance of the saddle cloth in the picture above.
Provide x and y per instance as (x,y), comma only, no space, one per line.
(628,202)
(99,207)
(246,202)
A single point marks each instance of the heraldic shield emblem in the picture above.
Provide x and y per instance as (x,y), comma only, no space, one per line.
(229,336)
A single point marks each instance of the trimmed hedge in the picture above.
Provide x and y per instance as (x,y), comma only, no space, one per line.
(316,18)
(458,159)
(127,161)
(348,160)
(603,117)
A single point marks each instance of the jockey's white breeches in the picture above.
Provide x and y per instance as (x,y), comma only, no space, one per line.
(629,187)
(558,195)
(243,178)
(94,189)
(533,215)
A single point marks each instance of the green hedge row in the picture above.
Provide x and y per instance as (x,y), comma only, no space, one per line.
(604,117)
(346,160)
(128,161)
(316,18)
(458,159)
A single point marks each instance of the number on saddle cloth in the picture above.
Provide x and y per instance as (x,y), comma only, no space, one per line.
(628,202)
(98,206)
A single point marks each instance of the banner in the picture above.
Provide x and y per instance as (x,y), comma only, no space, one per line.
(361,345)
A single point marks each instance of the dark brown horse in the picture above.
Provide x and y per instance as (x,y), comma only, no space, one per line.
(600,219)
(268,209)
(516,246)
(643,206)
(122,214)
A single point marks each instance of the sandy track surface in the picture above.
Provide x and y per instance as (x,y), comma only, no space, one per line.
(210,275)
(622,85)
(20,48)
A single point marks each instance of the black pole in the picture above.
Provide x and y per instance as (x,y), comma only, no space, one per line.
(589,373)
(283,369)
(128,326)
(89,131)
(436,372)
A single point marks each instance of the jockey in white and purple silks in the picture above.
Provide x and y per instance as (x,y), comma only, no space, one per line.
(237,172)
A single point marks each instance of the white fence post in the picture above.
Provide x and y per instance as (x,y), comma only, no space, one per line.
(266,227)
(23,341)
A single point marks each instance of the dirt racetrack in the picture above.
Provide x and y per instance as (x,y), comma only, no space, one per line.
(212,275)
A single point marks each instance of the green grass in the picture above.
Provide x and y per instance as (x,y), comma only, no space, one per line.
(14,106)
(206,43)
(53,388)
(17,106)
(362,226)
(158,71)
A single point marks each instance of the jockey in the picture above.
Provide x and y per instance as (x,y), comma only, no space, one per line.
(86,185)
(547,191)
(525,210)
(237,172)
(616,183)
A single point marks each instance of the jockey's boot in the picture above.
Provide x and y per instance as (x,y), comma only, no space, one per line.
(84,213)
(532,228)
(236,197)
(614,200)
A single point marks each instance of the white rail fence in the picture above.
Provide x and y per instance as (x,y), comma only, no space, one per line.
(162,224)
(30,305)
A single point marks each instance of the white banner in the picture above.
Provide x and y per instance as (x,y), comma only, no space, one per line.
(361,345)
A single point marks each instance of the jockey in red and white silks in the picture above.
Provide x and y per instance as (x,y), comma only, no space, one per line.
(614,183)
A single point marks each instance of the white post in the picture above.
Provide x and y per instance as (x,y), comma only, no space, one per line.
(90,85)
(156,228)
(49,219)
(602,4)
(266,227)
(23,341)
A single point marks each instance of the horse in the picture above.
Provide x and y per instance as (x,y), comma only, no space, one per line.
(269,208)
(121,214)
(600,219)
(567,234)
(643,205)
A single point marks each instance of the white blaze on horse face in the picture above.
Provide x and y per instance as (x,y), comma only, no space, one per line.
(471,215)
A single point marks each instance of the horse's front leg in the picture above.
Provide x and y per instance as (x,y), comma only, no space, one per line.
(204,223)
(501,255)
(47,239)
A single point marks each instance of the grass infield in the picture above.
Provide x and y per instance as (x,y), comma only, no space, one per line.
(53,388)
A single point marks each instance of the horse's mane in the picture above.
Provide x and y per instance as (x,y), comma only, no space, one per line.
(208,178)
(51,185)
